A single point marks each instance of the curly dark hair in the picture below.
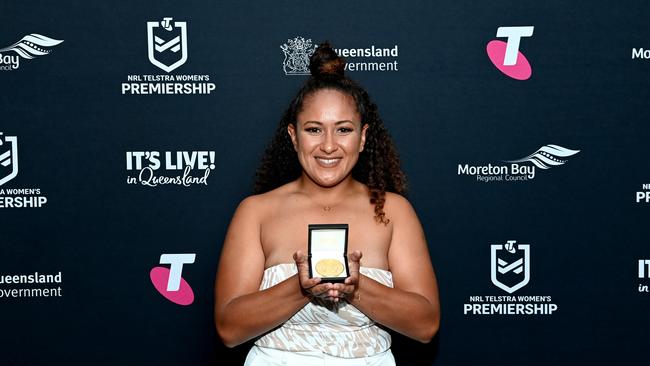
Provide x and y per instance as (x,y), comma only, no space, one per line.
(378,166)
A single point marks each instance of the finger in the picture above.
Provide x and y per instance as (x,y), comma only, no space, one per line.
(299,257)
(346,290)
(343,290)
(333,298)
(303,270)
(308,283)
(355,256)
(320,290)
(353,279)
(354,261)
(333,293)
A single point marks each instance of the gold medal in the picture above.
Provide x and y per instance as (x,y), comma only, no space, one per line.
(329,267)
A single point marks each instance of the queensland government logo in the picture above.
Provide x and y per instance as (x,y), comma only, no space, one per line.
(167,49)
(15,197)
(31,285)
(367,58)
(29,47)
(509,271)
(297,52)
(506,55)
(545,157)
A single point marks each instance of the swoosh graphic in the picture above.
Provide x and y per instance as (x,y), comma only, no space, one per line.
(547,156)
(32,45)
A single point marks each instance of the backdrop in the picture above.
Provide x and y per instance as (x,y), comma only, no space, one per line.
(130,132)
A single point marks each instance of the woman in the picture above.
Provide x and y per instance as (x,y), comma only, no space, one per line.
(331,161)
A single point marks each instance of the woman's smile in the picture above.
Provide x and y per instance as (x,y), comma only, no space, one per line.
(328,162)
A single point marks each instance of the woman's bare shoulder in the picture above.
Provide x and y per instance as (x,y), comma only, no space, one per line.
(398,206)
(260,203)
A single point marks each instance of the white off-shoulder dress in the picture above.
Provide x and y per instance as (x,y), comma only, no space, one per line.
(322,332)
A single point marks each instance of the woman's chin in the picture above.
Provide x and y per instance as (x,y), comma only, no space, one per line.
(327,182)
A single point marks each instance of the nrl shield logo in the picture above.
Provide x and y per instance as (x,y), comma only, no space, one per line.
(510,269)
(167,43)
(296,56)
(8,158)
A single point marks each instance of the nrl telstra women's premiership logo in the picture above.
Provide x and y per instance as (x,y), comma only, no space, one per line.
(8,158)
(510,271)
(167,43)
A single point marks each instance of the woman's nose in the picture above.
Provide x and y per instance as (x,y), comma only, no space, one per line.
(329,144)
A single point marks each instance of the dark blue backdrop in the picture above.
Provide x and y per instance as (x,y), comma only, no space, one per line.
(446,105)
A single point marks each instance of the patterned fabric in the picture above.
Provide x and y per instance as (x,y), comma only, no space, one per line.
(336,329)
(260,356)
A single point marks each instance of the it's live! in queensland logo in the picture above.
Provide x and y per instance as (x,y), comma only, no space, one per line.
(506,55)
(182,168)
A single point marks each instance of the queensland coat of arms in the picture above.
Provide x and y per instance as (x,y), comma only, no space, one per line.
(296,56)
(167,43)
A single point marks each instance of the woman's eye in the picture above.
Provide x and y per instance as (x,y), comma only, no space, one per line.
(345,130)
(312,129)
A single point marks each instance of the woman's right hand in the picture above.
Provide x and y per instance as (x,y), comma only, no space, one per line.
(312,286)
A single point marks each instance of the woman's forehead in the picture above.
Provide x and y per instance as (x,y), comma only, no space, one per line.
(329,105)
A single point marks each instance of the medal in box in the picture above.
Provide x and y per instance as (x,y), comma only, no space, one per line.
(328,247)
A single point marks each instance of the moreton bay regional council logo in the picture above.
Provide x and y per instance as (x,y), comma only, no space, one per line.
(510,265)
(29,47)
(8,158)
(296,56)
(167,43)
(547,156)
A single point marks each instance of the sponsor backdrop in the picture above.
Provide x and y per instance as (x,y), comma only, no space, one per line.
(129,133)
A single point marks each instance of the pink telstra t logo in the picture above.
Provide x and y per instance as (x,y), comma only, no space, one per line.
(506,56)
(168,281)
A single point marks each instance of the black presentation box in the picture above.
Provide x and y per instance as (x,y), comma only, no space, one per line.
(328,248)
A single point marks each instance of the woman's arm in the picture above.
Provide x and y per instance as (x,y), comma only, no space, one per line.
(242,312)
(412,306)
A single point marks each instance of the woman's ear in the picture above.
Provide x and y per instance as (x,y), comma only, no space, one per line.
(363,137)
(291,129)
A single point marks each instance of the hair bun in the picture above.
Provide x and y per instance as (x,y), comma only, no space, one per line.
(324,62)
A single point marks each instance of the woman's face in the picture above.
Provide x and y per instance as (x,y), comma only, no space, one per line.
(328,136)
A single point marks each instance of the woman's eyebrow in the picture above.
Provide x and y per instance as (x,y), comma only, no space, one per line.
(336,123)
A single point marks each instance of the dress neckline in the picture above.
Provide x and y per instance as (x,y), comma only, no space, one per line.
(293,264)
